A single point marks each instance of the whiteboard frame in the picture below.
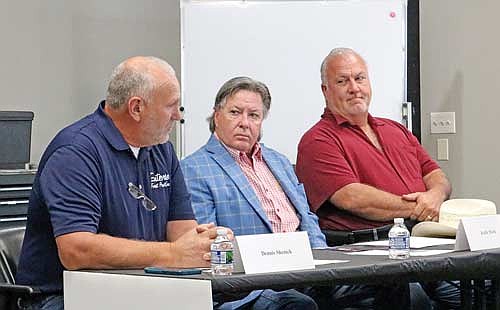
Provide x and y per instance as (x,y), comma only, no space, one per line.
(405,81)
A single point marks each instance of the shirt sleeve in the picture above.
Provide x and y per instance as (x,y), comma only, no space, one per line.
(70,185)
(322,167)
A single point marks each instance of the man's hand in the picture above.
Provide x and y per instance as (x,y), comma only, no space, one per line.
(192,249)
(429,202)
(204,227)
(427,205)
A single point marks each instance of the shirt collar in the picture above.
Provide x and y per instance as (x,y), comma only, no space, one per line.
(340,120)
(109,130)
(236,154)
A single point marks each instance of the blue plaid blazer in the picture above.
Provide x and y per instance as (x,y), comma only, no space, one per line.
(220,192)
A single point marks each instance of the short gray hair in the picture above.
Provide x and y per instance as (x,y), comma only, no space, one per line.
(233,86)
(334,53)
(130,79)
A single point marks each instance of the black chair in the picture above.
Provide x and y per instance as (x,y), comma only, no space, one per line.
(337,237)
(11,239)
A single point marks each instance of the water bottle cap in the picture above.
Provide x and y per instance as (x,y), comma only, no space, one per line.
(221,231)
(398,220)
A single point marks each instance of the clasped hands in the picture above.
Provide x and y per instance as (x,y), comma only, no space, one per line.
(211,231)
(192,249)
(427,205)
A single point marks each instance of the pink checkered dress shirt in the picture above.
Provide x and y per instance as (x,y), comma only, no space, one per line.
(280,212)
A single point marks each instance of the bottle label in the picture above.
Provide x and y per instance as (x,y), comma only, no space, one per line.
(222,257)
(399,243)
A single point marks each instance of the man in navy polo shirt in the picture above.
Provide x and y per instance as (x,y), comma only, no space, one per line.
(109,192)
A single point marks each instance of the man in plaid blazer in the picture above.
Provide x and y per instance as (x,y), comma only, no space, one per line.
(237,182)
(221,191)
(222,194)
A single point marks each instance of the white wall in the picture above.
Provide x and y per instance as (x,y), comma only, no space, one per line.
(460,72)
(57,55)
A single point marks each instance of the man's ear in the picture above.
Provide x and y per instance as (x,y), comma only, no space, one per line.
(216,117)
(323,89)
(135,107)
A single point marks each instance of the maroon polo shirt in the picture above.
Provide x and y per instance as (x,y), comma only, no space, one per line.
(333,154)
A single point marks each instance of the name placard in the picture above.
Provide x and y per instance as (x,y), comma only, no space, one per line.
(275,252)
(478,233)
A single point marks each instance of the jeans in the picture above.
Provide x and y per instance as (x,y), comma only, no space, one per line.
(284,300)
(490,294)
(361,297)
(47,302)
(269,299)
(419,298)
(444,295)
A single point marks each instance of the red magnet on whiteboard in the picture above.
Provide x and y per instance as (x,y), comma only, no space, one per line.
(393,14)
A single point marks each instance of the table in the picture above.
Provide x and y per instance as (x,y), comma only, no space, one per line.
(464,266)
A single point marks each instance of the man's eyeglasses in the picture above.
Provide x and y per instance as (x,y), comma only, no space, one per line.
(137,193)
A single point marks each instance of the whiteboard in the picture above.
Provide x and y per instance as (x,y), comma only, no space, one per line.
(282,43)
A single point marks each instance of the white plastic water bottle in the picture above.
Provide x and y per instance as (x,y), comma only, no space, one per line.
(221,254)
(399,240)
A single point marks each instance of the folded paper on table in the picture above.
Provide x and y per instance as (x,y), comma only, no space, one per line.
(275,252)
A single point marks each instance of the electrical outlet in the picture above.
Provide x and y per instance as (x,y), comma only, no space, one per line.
(443,122)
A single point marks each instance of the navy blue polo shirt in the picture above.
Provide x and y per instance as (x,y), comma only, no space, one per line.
(82,186)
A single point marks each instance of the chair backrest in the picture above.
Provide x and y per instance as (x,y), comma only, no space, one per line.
(11,240)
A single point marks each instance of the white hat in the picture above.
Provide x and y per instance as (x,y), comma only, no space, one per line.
(450,213)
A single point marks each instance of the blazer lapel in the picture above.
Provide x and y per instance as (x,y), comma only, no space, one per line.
(227,163)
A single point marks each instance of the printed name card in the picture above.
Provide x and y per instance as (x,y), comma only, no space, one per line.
(478,233)
(275,252)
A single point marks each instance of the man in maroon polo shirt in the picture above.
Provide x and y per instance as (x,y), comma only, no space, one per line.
(360,171)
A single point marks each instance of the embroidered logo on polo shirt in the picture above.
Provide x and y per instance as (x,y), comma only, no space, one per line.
(159,180)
